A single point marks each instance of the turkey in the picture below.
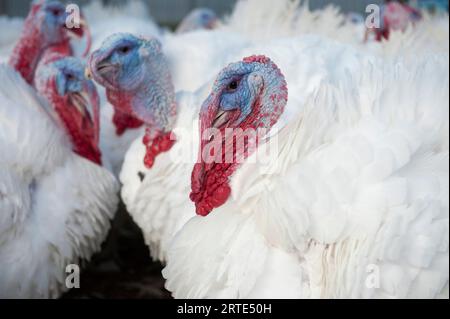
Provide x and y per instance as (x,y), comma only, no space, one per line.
(138,82)
(198,19)
(56,199)
(44,27)
(349,200)
(118,130)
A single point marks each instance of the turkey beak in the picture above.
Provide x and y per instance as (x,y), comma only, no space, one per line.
(213,24)
(87,73)
(221,119)
(101,70)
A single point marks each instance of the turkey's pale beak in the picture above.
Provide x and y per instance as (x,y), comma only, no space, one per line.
(87,73)
(101,71)
(213,24)
(222,119)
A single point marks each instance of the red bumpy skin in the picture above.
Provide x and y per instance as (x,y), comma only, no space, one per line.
(154,147)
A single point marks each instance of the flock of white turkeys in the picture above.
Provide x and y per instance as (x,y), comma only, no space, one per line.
(353,203)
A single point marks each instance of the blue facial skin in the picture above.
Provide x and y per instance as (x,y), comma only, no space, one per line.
(52,19)
(137,68)
(70,76)
(129,54)
(68,73)
(240,85)
(237,94)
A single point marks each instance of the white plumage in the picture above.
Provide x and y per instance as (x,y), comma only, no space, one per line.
(359,183)
(55,206)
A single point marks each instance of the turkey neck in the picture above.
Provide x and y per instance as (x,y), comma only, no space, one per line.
(156,103)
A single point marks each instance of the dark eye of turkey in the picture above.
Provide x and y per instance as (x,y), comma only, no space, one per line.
(124,49)
(233,85)
(70,76)
(57,12)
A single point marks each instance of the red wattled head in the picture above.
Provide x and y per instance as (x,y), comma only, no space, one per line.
(75,101)
(247,99)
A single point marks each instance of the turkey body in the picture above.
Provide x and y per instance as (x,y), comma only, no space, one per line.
(55,206)
(353,204)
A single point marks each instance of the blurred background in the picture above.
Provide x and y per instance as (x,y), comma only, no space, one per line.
(172,11)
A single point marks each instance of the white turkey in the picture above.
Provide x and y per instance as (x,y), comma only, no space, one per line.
(44,27)
(126,65)
(118,130)
(349,200)
(56,200)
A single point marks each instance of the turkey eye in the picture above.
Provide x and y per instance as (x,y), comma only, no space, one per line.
(233,85)
(56,12)
(70,76)
(124,49)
